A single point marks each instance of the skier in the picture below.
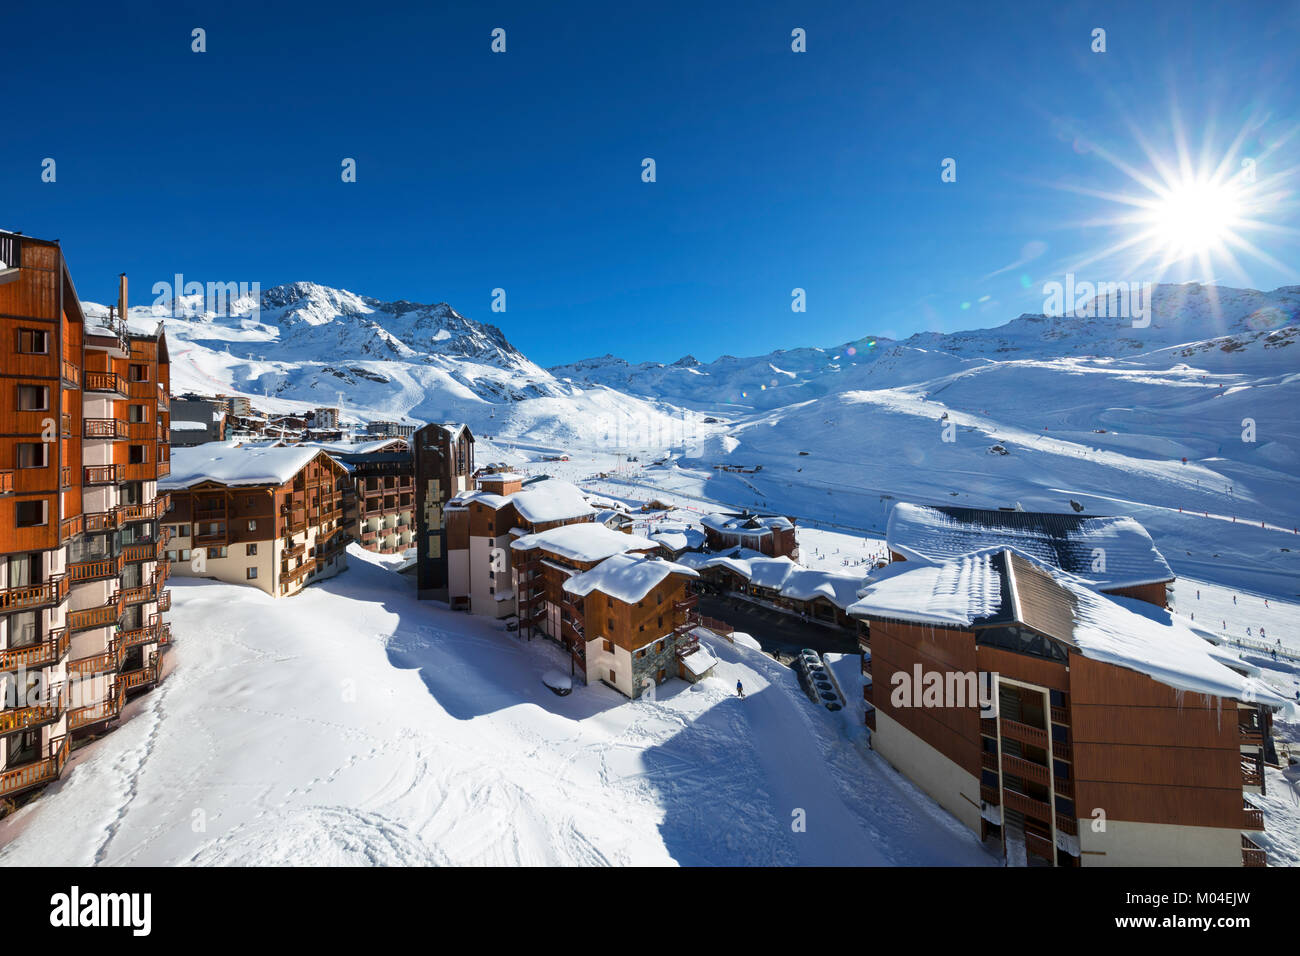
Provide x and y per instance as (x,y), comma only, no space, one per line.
(740,690)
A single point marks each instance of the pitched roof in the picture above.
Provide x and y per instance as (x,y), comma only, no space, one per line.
(1001,586)
(232,463)
(625,577)
(1107,552)
(584,541)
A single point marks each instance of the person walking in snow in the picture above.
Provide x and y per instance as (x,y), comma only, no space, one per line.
(740,690)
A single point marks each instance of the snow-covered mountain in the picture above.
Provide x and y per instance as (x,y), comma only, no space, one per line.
(302,345)
(1180,315)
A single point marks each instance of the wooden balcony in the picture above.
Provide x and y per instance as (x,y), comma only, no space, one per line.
(71,375)
(104,382)
(988,761)
(94,570)
(102,520)
(1067,824)
(66,476)
(16,719)
(165,600)
(104,616)
(164,468)
(688,602)
(148,551)
(34,656)
(29,596)
(109,429)
(1040,846)
(106,709)
(69,528)
(101,474)
(144,677)
(1252,817)
(37,773)
(1025,769)
(1027,805)
(109,662)
(6,482)
(1015,730)
(989,795)
(1060,715)
(294,574)
(134,595)
(1251,853)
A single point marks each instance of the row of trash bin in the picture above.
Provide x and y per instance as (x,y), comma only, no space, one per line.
(816,680)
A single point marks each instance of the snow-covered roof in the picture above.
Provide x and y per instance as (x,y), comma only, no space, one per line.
(699,661)
(550,500)
(807,584)
(682,540)
(625,577)
(180,425)
(997,586)
(232,463)
(585,541)
(500,476)
(1108,552)
(746,524)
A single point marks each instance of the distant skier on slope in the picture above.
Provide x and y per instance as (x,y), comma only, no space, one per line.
(740,690)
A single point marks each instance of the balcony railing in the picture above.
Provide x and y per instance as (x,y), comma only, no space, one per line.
(48,652)
(93,570)
(69,528)
(25,718)
(131,680)
(6,482)
(104,382)
(1025,769)
(1253,817)
(164,468)
(109,662)
(148,551)
(1034,736)
(101,474)
(28,596)
(1027,805)
(106,709)
(105,428)
(37,773)
(1252,854)
(988,794)
(71,374)
(105,615)
(135,595)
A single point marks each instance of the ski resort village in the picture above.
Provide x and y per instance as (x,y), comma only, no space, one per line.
(320,579)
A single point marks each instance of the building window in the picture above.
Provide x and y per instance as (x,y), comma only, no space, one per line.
(33,342)
(252,525)
(29,514)
(182,530)
(171,555)
(251,550)
(185,554)
(138,373)
(613,678)
(609,646)
(33,455)
(252,574)
(33,398)
(135,454)
(219,552)
(136,414)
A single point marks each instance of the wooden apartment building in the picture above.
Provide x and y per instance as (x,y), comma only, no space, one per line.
(772,535)
(83,443)
(270,517)
(443,461)
(1110,737)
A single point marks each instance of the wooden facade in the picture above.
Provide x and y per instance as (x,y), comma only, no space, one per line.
(275,537)
(84,428)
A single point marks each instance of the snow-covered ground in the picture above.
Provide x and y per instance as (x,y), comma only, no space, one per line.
(353,724)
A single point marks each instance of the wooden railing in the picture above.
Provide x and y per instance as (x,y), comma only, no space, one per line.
(101,474)
(69,528)
(145,675)
(102,616)
(164,467)
(1067,824)
(1039,845)
(1253,817)
(47,652)
(988,794)
(1252,854)
(135,595)
(90,570)
(24,718)
(1060,715)
(165,600)
(102,520)
(109,661)
(104,382)
(6,482)
(40,772)
(26,596)
(1025,769)
(71,374)
(106,709)
(1034,736)
(109,428)
(148,551)
(1027,805)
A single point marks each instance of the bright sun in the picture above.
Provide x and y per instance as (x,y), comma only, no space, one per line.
(1195,217)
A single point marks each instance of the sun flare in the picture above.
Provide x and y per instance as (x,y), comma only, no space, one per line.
(1195,217)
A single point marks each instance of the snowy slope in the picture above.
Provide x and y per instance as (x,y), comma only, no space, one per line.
(422,736)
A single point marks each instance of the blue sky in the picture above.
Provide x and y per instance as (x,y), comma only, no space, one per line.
(522,170)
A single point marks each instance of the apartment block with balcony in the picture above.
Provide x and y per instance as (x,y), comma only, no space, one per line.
(1030,705)
(84,408)
(379,504)
(443,461)
(269,517)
